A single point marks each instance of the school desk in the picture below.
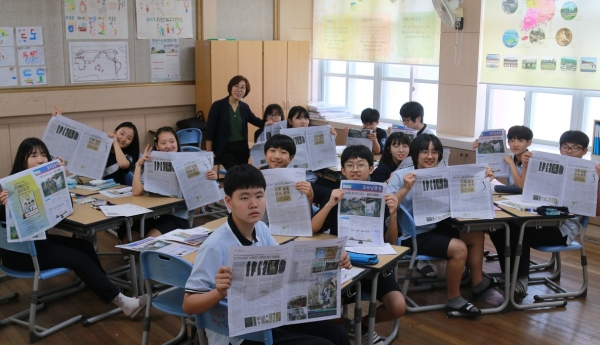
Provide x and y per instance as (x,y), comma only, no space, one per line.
(88,192)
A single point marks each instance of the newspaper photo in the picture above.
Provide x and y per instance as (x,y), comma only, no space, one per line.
(411,133)
(257,154)
(278,285)
(359,137)
(191,175)
(562,181)
(470,192)
(276,128)
(315,147)
(84,149)
(192,237)
(159,176)
(299,136)
(431,196)
(492,150)
(361,213)
(288,210)
(38,198)
(11,233)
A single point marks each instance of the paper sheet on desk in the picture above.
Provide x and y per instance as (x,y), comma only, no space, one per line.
(349,274)
(385,249)
(125,210)
(117,193)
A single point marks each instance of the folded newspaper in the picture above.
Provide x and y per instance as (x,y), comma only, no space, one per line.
(159,245)
(192,237)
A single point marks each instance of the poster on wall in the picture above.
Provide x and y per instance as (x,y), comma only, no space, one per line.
(376,30)
(7,36)
(30,36)
(7,56)
(95,19)
(31,56)
(8,76)
(164,19)
(35,75)
(99,62)
(164,60)
(544,43)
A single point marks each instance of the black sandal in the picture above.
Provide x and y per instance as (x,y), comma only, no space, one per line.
(494,282)
(467,308)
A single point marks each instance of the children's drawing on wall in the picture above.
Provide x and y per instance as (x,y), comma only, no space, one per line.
(33,76)
(160,19)
(95,19)
(7,36)
(31,56)
(30,36)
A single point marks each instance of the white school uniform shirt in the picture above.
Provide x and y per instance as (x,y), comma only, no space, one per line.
(511,180)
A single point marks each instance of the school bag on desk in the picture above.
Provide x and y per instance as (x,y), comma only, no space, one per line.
(363,259)
(193,122)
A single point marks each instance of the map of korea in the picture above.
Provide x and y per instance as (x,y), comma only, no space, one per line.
(539,12)
(98,64)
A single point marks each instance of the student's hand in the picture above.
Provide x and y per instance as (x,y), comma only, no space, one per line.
(345,261)
(333,132)
(4,197)
(489,173)
(145,157)
(509,160)
(268,123)
(346,130)
(392,203)
(305,188)
(57,110)
(372,136)
(336,197)
(61,161)
(525,158)
(475,145)
(211,175)
(223,281)
(389,130)
(409,181)
(597,172)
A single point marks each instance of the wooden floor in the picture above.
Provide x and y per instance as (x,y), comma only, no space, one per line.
(577,323)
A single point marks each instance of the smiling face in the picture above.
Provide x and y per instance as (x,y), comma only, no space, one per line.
(277,158)
(357,169)
(166,142)
(399,152)
(238,91)
(37,157)
(518,146)
(247,205)
(124,136)
(297,120)
(428,158)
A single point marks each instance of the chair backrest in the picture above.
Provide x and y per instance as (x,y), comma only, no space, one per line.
(406,223)
(20,247)
(164,268)
(189,136)
(585,221)
(187,148)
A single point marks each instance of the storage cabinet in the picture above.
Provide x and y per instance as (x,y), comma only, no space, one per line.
(460,156)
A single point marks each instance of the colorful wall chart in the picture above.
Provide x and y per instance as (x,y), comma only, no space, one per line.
(99,62)
(96,19)
(376,30)
(164,19)
(547,43)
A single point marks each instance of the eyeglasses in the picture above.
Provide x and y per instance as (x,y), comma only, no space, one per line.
(359,167)
(274,115)
(568,148)
(427,152)
(401,147)
(405,119)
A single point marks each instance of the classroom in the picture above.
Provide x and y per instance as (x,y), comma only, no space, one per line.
(467,83)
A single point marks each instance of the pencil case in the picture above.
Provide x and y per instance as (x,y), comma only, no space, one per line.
(553,211)
(508,189)
(363,259)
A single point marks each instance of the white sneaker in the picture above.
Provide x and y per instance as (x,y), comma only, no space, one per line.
(376,338)
(426,269)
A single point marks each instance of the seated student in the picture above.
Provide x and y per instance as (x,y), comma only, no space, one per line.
(165,140)
(370,120)
(441,239)
(412,114)
(574,144)
(519,139)
(273,113)
(357,164)
(61,251)
(395,150)
(210,280)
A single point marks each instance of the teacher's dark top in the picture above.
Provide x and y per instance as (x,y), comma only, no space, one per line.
(218,127)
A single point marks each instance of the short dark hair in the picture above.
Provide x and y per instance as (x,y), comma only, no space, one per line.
(421,142)
(297,111)
(412,110)
(394,139)
(134,148)
(269,110)
(236,80)
(26,148)
(357,151)
(243,176)
(369,115)
(575,137)
(519,132)
(281,141)
(166,129)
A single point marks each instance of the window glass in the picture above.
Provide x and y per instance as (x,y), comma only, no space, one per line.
(506,108)
(396,71)
(362,68)
(550,115)
(360,95)
(427,72)
(335,66)
(393,95)
(427,95)
(335,90)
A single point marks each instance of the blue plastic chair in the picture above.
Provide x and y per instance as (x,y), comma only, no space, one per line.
(187,148)
(549,279)
(37,299)
(406,222)
(216,321)
(190,137)
(129,179)
(172,271)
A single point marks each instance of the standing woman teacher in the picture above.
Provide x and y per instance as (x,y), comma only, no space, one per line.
(227,128)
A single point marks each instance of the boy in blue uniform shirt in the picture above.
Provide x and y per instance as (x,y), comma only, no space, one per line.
(210,279)
(370,120)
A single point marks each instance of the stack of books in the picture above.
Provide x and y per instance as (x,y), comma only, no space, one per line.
(327,111)
(98,184)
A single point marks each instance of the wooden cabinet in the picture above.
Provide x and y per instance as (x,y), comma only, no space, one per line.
(460,156)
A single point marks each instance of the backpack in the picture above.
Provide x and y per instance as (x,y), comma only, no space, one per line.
(194,122)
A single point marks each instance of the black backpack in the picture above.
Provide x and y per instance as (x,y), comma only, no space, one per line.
(194,122)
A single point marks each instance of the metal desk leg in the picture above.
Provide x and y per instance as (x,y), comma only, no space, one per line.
(372,308)
(358,315)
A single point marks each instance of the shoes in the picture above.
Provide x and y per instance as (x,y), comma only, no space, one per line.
(494,282)
(467,308)
(521,287)
(376,338)
(426,270)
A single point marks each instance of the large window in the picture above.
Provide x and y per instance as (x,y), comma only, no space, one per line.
(360,85)
(548,112)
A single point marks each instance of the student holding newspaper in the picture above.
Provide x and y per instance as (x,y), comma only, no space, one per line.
(273,113)
(165,140)
(395,151)
(441,239)
(370,120)
(210,279)
(60,251)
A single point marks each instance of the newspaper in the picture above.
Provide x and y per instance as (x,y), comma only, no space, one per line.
(299,136)
(349,274)
(191,175)
(288,210)
(492,150)
(276,128)
(159,245)
(431,196)
(11,233)
(411,133)
(315,147)
(470,192)
(192,237)
(278,285)
(123,210)
(117,193)
(257,153)
(159,176)
(84,149)
(406,163)
(444,162)
(38,198)
(359,137)
(361,213)
(563,181)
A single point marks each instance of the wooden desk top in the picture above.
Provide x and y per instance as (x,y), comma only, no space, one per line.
(86,215)
(147,200)
(88,192)
(386,261)
(213,225)
(317,237)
